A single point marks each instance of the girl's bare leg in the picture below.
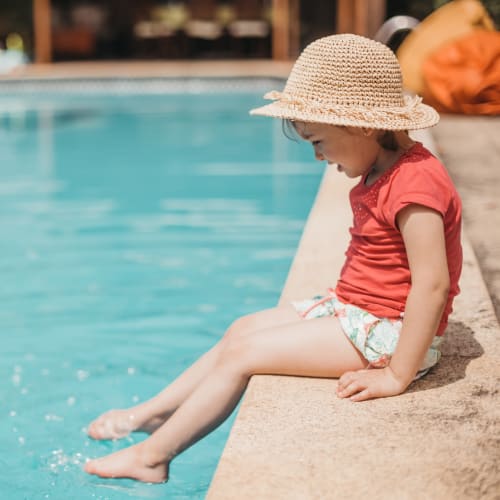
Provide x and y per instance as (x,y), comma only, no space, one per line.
(148,416)
(315,348)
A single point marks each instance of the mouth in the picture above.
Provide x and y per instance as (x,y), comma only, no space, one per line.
(337,166)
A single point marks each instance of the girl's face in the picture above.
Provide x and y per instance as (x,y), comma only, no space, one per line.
(354,150)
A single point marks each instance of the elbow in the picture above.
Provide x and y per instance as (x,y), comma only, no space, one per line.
(436,287)
(444,293)
(440,289)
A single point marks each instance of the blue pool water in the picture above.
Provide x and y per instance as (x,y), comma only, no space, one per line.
(134,229)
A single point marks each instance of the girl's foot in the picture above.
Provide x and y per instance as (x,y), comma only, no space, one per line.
(116,424)
(132,463)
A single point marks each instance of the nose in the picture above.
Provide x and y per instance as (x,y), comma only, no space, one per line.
(318,155)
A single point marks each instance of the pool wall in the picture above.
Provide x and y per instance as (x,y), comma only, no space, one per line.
(294,439)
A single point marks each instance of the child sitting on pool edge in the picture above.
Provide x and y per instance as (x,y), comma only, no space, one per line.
(382,324)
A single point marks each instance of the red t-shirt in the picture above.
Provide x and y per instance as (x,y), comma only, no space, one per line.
(376,276)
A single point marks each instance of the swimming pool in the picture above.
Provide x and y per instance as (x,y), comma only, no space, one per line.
(135,227)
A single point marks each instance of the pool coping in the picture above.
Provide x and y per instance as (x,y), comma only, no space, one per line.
(293,439)
(150,69)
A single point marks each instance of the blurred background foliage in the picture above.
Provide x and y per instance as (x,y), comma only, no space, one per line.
(16,16)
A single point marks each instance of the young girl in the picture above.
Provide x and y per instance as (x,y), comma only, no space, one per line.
(380,327)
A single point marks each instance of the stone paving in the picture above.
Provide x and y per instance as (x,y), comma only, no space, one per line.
(470,148)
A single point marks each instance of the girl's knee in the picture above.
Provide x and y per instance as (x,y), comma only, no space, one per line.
(240,327)
(236,353)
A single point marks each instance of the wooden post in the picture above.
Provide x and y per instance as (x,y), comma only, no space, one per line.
(294,28)
(345,16)
(281,23)
(286,29)
(42,29)
(376,10)
(362,17)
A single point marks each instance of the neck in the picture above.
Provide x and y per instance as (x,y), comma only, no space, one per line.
(386,159)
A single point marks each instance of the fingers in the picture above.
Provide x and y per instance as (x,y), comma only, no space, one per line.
(356,385)
(348,385)
(361,396)
(368,384)
(356,390)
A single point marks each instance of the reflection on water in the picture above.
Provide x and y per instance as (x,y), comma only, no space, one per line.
(24,120)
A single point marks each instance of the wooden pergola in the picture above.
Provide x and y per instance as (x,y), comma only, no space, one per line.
(353,16)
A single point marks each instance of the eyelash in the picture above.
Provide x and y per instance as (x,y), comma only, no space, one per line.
(315,143)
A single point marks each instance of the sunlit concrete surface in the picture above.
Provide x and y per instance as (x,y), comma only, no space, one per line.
(471,144)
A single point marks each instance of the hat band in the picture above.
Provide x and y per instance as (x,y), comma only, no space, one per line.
(353,112)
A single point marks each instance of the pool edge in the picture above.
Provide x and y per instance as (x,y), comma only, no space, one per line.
(151,69)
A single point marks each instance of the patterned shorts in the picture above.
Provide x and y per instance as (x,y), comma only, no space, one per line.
(376,338)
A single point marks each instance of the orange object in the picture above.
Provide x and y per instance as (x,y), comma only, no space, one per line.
(450,22)
(463,76)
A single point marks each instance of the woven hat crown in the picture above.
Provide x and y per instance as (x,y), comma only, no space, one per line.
(347,70)
(348,80)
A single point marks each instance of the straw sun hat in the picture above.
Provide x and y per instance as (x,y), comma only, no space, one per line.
(348,80)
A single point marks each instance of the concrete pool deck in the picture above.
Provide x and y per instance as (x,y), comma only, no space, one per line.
(293,439)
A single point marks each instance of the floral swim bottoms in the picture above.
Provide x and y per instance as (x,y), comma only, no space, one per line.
(376,338)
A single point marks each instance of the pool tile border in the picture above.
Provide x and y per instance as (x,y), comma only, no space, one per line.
(155,86)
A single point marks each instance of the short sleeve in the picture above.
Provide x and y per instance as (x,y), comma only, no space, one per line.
(422,183)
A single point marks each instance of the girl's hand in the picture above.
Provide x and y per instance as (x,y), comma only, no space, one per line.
(370,383)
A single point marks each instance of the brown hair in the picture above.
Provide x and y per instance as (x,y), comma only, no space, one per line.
(386,138)
(289,130)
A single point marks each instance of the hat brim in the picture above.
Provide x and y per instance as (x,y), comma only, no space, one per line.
(421,116)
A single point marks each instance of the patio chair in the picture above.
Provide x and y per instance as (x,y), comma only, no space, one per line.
(393,31)
(77,33)
(202,23)
(159,31)
(250,25)
(250,20)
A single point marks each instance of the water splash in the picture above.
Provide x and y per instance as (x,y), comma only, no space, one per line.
(59,461)
(81,375)
(51,417)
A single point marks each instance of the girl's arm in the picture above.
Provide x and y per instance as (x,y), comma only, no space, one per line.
(423,234)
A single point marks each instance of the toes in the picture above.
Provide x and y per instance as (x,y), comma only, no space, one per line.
(112,425)
(89,467)
(94,430)
(91,431)
(93,467)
